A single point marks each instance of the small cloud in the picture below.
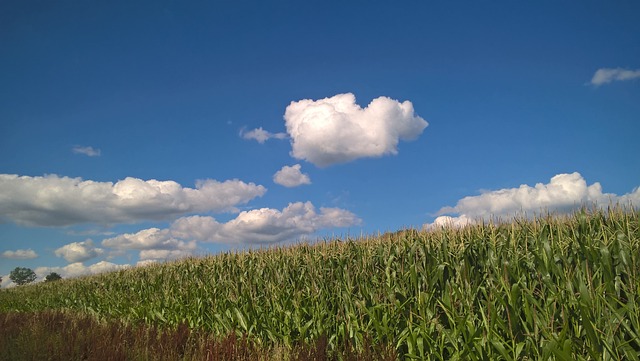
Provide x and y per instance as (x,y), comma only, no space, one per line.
(79,251)
(88,151)
(291,176)
(337,130)
(6,282)
(447,221)
(146,262)
(261,135)
(20,254)
(564,193)
(608,75)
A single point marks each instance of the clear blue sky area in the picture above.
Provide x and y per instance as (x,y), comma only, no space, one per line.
(143,131)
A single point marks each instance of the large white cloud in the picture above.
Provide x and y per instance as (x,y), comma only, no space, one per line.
(337,130)
(291,176)
(608,75)
(563,193)
(79,251)
(264,225)
(59,201)
(19,254)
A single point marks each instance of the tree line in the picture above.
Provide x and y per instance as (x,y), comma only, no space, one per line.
(22,276)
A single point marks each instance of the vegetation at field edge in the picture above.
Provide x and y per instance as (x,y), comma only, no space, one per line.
(548,288)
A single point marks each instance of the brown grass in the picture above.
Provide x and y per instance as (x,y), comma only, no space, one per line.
(64,336)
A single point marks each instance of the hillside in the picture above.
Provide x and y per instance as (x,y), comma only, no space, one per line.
(548,288)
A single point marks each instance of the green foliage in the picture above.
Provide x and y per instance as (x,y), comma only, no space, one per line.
(565,288)
(22,276)
(53,276)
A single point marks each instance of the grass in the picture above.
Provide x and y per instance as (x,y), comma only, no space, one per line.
(549,288)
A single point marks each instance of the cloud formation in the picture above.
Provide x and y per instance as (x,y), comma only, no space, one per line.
(265,225)
(72,270)
(20,254)
(78,269)
(88,151)
(563,193)
(260,135)
(79,251)
(337,130)
(153,243)
(152,238)
(60,201)
(608,75)
(291,176)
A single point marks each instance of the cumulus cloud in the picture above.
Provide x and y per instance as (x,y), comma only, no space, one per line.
(163,254)
(88,151)
(71,270)
(563,193)
(60,201)
(153,243)
(337,130)
(79,251)
(146,262)
(260,135)
(78,269)
(152,238)
(6,282)
(20,254)
(264,225)
(291,176)
(608,75)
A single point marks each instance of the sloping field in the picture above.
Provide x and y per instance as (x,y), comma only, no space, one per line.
(550,288)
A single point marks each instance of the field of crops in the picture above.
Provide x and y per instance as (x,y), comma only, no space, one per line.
(550,288)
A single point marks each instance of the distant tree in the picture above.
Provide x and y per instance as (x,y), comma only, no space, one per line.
(0,281)
(52,277)
(22,276)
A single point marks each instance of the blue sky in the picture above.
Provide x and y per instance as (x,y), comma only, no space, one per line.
(141,131)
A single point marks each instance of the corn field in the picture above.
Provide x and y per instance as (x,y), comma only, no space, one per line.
(547,288)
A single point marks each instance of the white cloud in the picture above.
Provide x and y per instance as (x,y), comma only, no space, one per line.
(79,251)
(59,201)
(261,135)
(146,262)
(563,193)
(78,269)
(264,225)
(153,243)
(88,151)
(608,75)
(6,282)
(291,176)
(20,254)
(448,221)
(163,254)
(152,238)
(337,130)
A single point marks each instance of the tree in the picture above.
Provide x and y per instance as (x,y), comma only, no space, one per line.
(22,276)
(52,277)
